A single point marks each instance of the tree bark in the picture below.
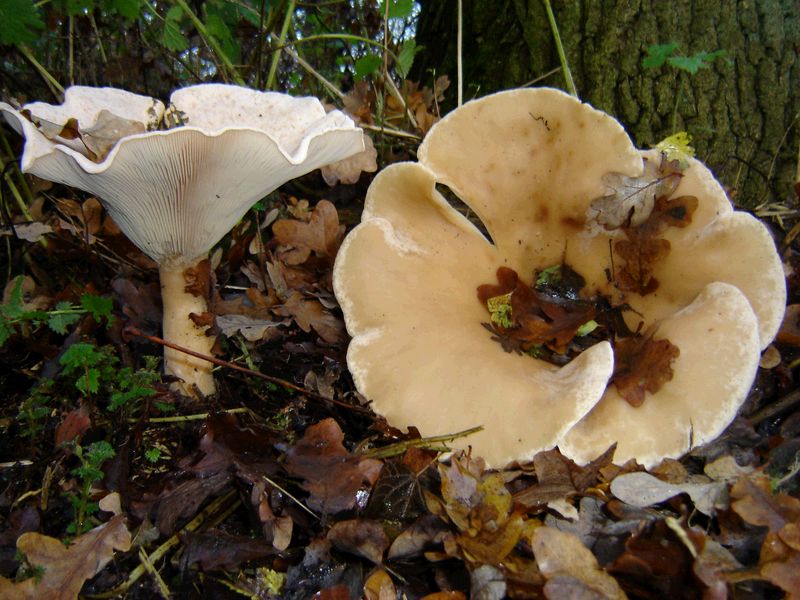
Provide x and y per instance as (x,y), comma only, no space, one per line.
(743,112)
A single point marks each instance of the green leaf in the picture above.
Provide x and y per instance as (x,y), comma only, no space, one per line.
(549,276)
(129,9)
(405,58)
(398,9)
(172,37)
(60,322)
(13,309)
(6,330)
(75,8)
(367,65)
(89,383)
(692,64)
(500,309)
(99,307)
(587,328)
(216,27)
(19,20)
(657,55)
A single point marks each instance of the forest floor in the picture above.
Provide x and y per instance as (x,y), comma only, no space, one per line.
(290,486)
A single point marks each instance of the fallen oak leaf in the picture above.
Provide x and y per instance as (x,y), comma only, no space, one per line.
(570,567)
(66,568)
(309,313)
(348,170)
(331,475)
(362,537)
(644,364)
(322,234)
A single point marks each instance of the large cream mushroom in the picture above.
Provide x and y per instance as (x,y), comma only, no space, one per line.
(176,192)
(531,165)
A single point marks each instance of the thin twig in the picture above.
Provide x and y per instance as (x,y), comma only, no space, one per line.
(159,552)
(130,330)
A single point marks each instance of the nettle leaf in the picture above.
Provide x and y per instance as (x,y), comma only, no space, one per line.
(367,65)
(405,58)
(172,37)
(99,307)
(19,20)
(398,9)
(657,55)
(60,322)
(14,308)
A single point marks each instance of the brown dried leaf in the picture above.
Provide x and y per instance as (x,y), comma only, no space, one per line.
(562,558)
(322,234)
(379,586)
(643,364)
(107,130)
(331,475)
(65,569)
(309,313)
(656,564)
(220,550)
(74,425)
(639,253)
(754,501)
(362,537)
(348,170)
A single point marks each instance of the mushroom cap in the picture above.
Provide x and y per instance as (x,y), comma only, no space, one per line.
(719,350)
(529,163)
(175,193)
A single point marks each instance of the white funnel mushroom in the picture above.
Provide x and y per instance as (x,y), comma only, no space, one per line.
(529,164)
(176,192)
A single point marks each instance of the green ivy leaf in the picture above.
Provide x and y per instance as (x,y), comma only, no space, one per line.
(367,65)
(405,58)
(172,37)
(398,9)
(657,55)
(60,322)
(19,20)
(99,307)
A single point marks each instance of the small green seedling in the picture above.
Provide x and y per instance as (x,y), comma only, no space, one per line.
(13,313)
(660,54)
(87,473)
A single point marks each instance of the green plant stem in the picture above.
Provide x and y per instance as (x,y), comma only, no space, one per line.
(56,88)
(20,177)
(212,43)
(335,92)
(560,47)
(276,54)
(340,36)
(18,197)
(430,442)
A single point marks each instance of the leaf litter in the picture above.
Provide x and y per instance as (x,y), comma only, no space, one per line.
(286,497)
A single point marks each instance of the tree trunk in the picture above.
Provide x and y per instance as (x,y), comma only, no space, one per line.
(743,112)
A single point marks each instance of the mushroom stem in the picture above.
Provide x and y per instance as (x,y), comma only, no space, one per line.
(179,303)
